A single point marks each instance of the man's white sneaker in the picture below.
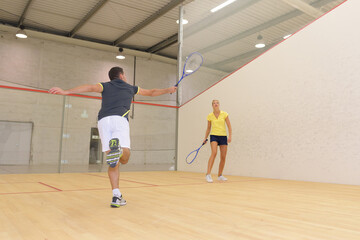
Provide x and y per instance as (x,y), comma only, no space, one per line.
(222,178)
(117,202)
(209,179)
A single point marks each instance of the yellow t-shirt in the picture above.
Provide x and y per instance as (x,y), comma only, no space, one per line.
(218,124)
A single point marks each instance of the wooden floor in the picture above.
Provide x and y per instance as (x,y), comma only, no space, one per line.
(175,205)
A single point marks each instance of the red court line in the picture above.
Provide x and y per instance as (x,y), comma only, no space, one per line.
(263,53)
(17,182)
(126,180)
(27,192)
(57,189)
(83,96)
(146,186)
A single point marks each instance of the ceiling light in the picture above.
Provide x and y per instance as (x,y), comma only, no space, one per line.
(287,36)
(224,4)
(184,21)
(119,55)
(21,33)
(260,43)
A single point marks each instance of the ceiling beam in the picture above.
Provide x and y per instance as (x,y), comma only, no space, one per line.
(207,22)
(261,27)
(304,7)
(91,13)
(163,44)
(22,17)
(37,29)
(149,20)
(88,39)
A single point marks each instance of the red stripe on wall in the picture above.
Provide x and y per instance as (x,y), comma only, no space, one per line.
(82,96)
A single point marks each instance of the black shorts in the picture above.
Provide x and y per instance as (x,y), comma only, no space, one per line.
(221,140)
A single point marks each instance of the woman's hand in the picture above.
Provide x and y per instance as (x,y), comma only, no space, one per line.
(229,139)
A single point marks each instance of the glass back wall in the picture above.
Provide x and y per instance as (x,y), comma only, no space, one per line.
(43,133)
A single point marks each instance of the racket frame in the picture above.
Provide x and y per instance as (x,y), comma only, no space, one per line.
(184,74)
(197,151)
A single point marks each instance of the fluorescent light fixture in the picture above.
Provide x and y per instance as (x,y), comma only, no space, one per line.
(260,45)
(287,36)
(119,56)
(224,4)
(21,33)
(184,21)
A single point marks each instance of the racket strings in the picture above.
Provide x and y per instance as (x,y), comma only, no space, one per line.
(191,157)
(193,63)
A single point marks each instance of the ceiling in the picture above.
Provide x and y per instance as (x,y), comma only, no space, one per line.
(226,38)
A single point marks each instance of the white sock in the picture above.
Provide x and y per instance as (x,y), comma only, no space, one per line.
(116,192)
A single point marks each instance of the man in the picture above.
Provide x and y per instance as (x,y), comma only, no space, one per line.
(113,120)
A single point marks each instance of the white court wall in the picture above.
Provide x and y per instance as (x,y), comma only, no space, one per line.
(294,110)
(43,64)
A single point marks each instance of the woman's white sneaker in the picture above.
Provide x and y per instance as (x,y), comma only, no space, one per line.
(208,178)
(222,178)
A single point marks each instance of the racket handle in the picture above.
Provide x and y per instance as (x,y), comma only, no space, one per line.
(205,142)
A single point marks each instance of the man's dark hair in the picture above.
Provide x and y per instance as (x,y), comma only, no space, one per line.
(114,72)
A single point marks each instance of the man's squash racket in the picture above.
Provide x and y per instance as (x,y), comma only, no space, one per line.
(195,151)
(192,63)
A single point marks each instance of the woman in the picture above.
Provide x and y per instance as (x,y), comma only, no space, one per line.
(218,137)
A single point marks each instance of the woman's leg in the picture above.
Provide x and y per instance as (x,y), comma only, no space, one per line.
(223,151)
(213,145)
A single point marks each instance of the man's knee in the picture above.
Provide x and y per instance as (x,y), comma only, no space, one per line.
(124,160)
(125,157)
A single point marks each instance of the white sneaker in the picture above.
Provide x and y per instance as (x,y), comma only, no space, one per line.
(222,178)
(117,201)
(209,179)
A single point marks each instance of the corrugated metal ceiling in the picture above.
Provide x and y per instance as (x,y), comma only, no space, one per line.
(117,17)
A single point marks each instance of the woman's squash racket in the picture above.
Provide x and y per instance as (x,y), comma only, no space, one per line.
(197,151)
(192,63)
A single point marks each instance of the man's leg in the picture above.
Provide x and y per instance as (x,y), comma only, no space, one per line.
(120,131)
(113,172)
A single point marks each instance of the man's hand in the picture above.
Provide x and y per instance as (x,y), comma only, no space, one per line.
(56,90)
(172,89)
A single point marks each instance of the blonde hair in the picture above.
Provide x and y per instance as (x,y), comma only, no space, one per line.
(214,100)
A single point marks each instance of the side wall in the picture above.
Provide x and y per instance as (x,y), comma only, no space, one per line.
(294,110)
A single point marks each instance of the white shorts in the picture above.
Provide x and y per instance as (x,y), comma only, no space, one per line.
(114,127)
